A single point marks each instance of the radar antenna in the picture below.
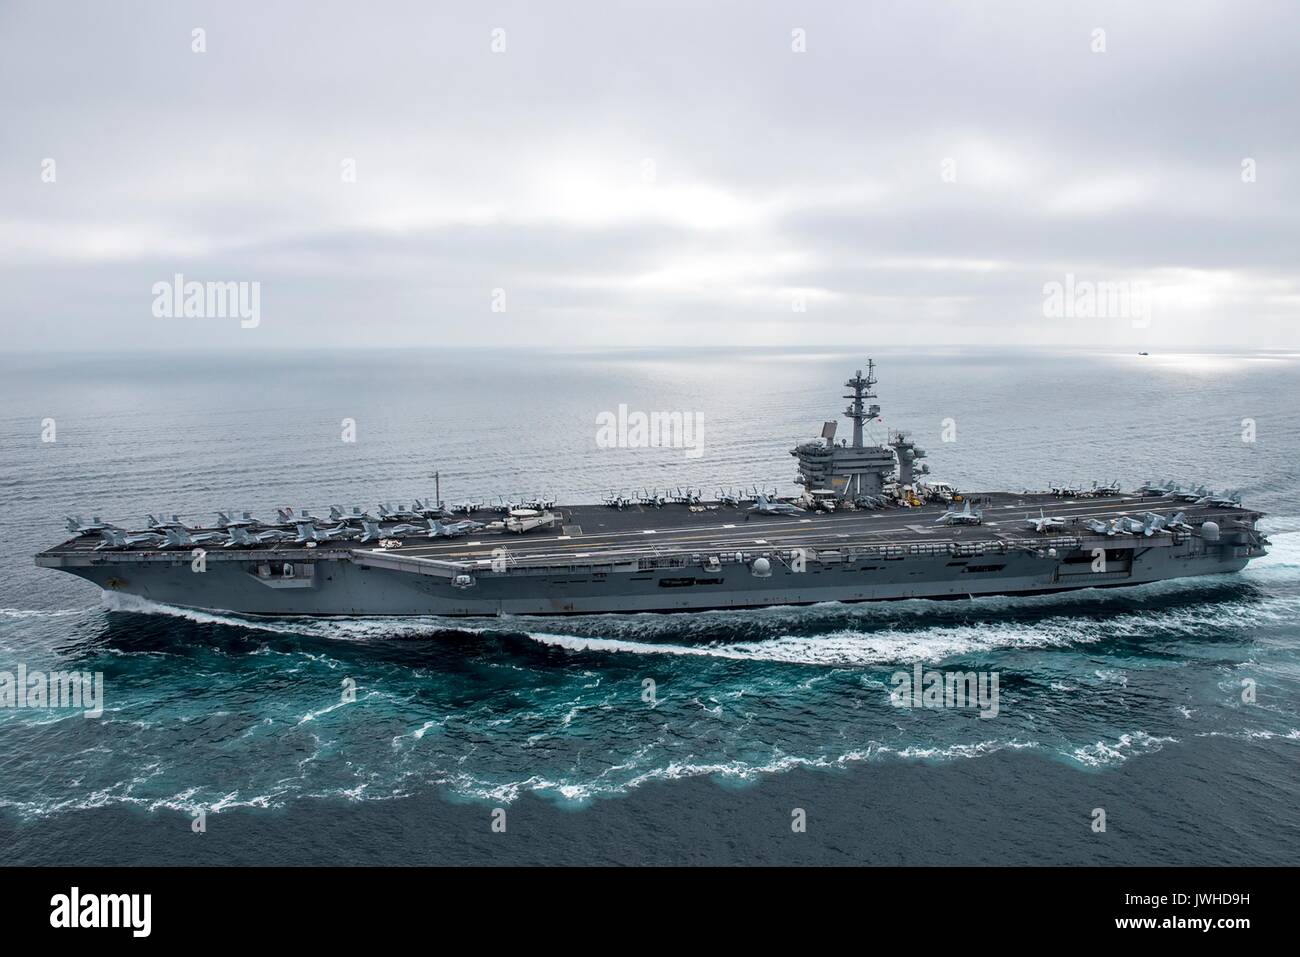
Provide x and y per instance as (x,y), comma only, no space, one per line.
(861,390)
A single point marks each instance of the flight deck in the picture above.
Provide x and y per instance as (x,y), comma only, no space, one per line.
(594,533)
(589,532)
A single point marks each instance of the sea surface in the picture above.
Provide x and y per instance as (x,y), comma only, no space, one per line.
(1127,700)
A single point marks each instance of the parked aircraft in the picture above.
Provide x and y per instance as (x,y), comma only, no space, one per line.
(183,538)
(241,537)
(309,532)
(1044,523)
(77,527)
(116,538)
(765,506)
(967,516)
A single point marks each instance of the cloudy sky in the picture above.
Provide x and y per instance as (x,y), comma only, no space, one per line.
(637,174)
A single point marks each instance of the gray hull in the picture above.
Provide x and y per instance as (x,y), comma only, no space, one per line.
(378,584)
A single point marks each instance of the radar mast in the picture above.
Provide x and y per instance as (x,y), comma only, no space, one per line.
(861,390)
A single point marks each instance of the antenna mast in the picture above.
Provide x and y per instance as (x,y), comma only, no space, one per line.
(861,390)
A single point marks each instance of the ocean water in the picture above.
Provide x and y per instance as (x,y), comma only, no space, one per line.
(1125,699)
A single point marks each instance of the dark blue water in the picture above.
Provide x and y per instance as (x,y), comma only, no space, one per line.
(1128,699)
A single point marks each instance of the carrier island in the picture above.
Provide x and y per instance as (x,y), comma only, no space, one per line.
(870,524)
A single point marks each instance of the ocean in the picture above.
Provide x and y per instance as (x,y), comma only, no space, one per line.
(1129,700)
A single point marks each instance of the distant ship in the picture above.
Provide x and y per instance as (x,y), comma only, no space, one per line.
(869,525)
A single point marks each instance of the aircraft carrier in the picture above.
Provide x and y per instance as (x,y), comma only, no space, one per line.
(870,524)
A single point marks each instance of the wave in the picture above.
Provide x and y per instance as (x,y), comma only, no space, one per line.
(40,612)
(613,781)
(841,648)
(359,628)
(1104,753)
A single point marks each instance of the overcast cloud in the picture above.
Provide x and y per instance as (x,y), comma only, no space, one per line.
(649,173)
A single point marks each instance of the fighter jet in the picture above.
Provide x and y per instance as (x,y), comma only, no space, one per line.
(729,498)
(1099,527)
(1149,526)
(1129,525)
(308,532)
(1179,523)
(1153,524)
(466,508)
(404,530)
(452,529)
(1229,499)
(356,516)
(540,503)
(1193,495)
(1065,491)
(1044,523)
(77,527)
(159,525)
(390,514)
(652,499)
(618,501)
(241,537)
(967,516)
(116,538)
(765,506)
(244,521)
(687,496)
(1154,487)
(182,538)
(1100,491)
